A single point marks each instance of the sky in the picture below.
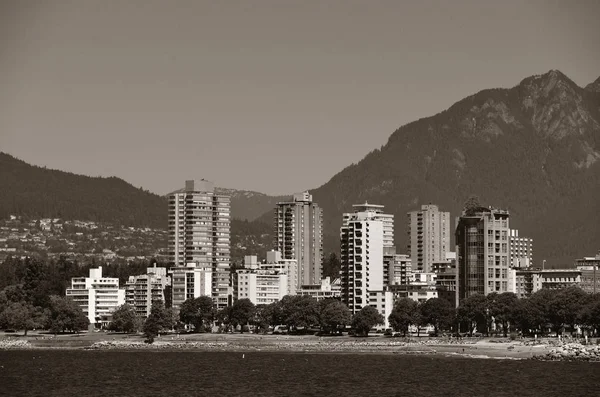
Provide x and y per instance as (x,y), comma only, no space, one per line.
(271,96)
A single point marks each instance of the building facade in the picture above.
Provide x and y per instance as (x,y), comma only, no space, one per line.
(199,233)
(190,282)
(428,237)
(361,257)
(327,289)
(97,296)
(142,291)
(590,273)
(482,252)
(521,250)
(397,268)
(299,236)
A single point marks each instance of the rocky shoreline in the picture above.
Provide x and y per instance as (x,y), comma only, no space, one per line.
(572,352)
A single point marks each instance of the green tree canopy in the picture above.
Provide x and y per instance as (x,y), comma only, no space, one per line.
(437,312)
(65,315)
(199,312)
(125,319)
(21,316)
(404,314)
(502,309)
(473,311)
(366,319)
(333,314)
(299,311)
(242,312)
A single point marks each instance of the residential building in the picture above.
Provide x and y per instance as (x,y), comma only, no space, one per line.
(327,289)
(396,267)
(383,301)
(288,266)
(521,250)
(362,243)
(299,236)
(142,291)
(590,273)
(417,292)
(190,281)
(560,278)
(446,281)
(97,296)
(261,285)
(428,237)
(482,251)
(199,233)
(527,281)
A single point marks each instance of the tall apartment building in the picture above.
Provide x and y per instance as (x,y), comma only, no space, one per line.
(428,237)
(199,233)
(396,267)
(362,268)
(143,290)
(376,213)
(299,236)
(521,250)
(98,296)
(482,252)
(274,261)
(590,273)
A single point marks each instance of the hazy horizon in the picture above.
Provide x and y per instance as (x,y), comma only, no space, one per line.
(270,96)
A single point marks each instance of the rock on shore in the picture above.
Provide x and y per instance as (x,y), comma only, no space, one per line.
(6,344)
(572,352)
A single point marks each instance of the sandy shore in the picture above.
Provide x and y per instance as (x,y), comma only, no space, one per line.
(475,348)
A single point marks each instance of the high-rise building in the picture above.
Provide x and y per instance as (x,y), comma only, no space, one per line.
(428,237)
(199,234)
(362,267)
(261,284)
(97,296)
(299,236)
(190,281)
(482,251)
(376,213)
(521,250)
(143,290)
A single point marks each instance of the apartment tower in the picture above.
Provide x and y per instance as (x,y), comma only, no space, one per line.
(521,250)
(362,238)
(482,249)
(428,237)
(199,236)
(299,236)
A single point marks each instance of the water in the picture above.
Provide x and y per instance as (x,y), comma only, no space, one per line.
(189,373)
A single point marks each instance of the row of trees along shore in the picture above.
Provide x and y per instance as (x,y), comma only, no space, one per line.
(546,310)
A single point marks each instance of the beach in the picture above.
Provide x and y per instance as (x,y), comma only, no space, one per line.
(499,348)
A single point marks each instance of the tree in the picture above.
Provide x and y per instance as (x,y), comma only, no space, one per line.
(472,205)
(21,316)
(501,308)
(527,316)
(199,312)
(125,319)
(437,312)
(269,315)
(590,314)
(65,315)
(565,306)
(333,314)
(158,321)
(242,312)
(299,311)
(473,312)
(404,314)
(366,319)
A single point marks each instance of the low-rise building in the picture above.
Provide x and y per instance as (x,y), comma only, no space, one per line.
(261,285)
(325,290)
(143,290)
(97,296)
(446,281)
(589,268)
(383,301)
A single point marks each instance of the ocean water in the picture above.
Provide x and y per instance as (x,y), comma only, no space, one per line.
(194,373)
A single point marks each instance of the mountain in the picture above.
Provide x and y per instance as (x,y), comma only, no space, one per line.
(594,86)
(249,205)
(37,192)
(533,149)
(34,191)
